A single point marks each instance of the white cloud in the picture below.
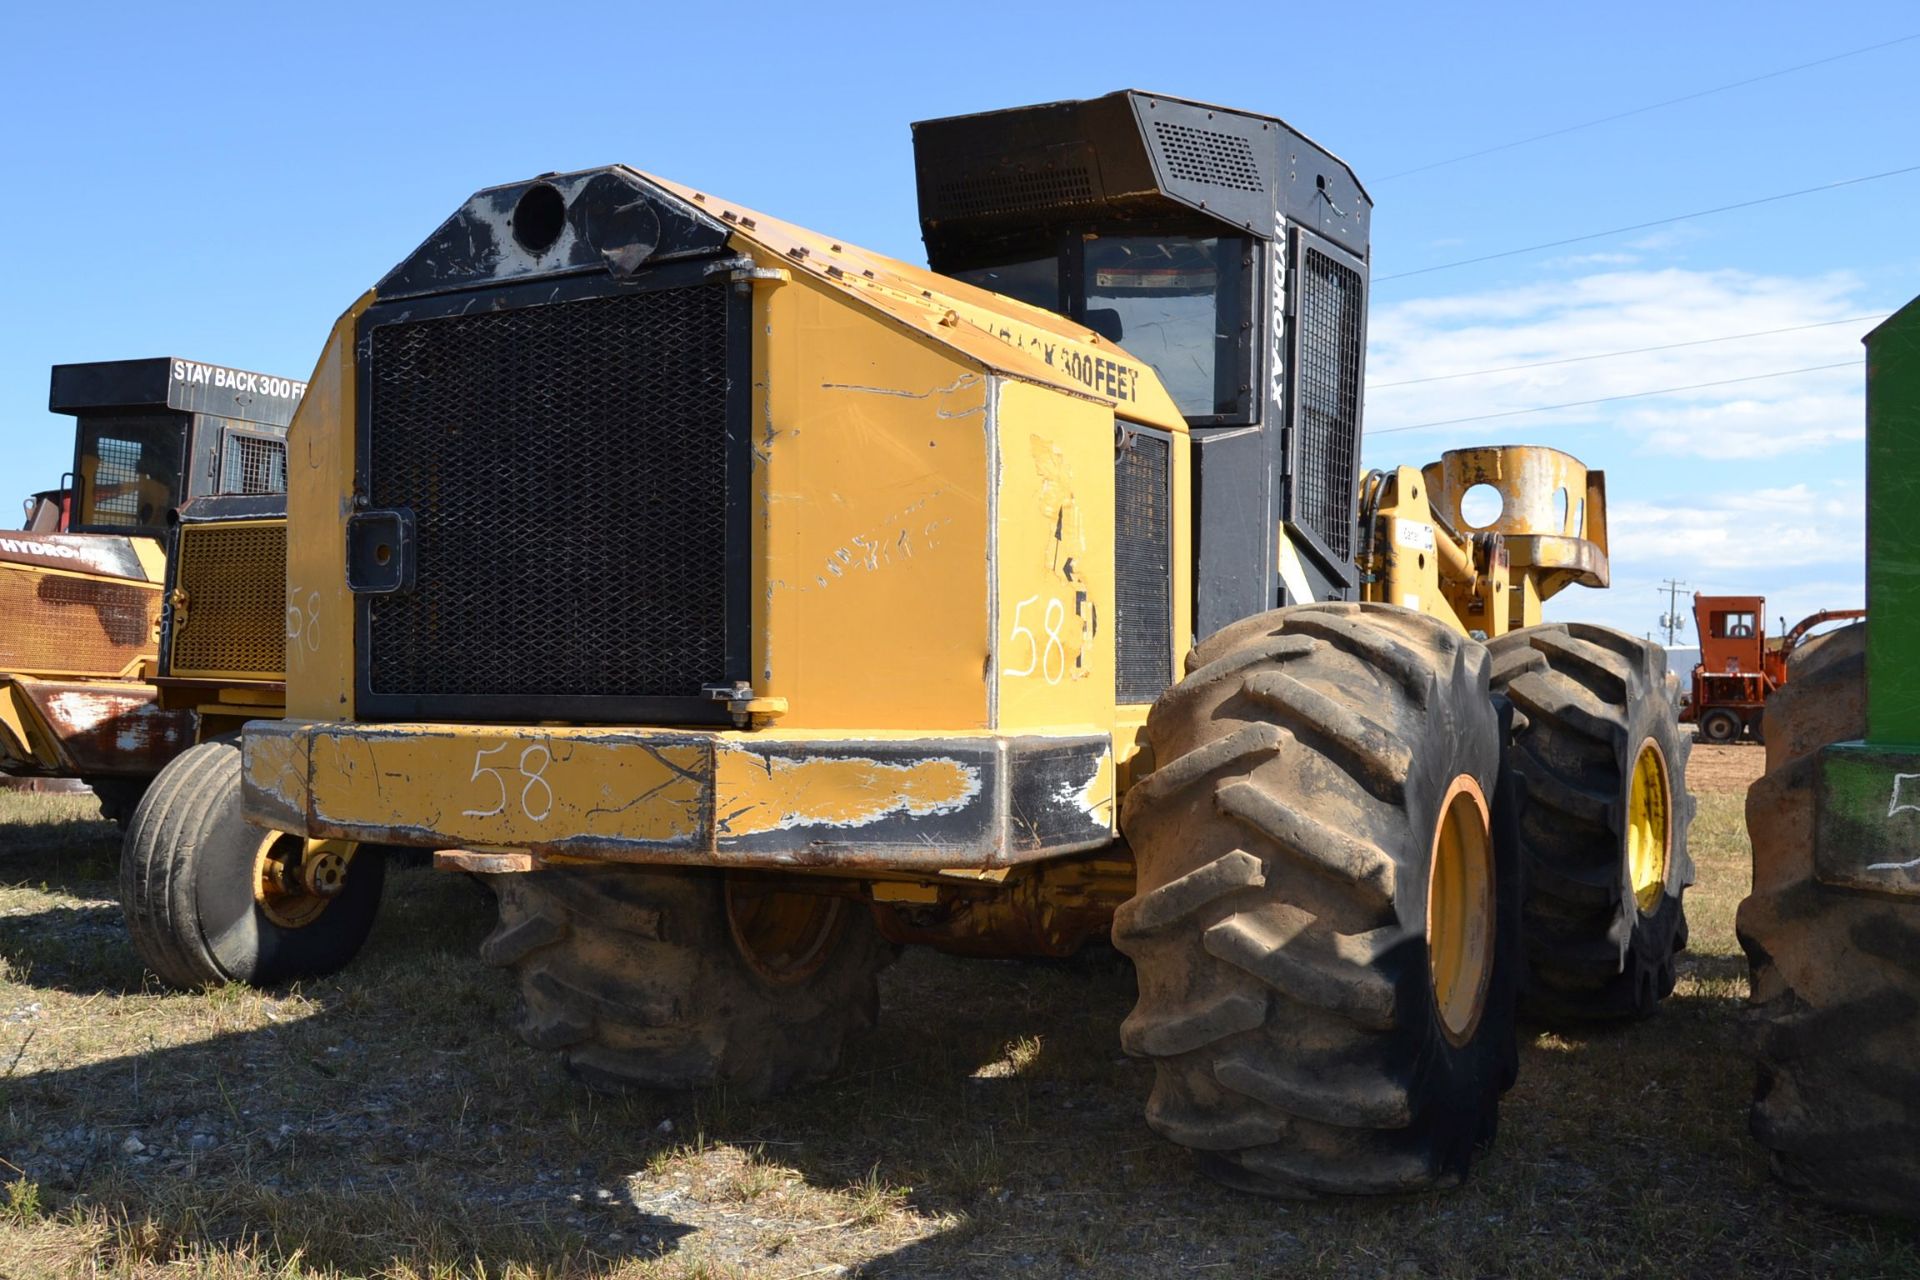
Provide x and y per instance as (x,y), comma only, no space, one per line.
(1738,534)
(1802,546)
(1621,310)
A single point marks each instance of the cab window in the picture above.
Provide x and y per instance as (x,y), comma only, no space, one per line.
(1035,282)
(1733,626)
(1182,304)
(129,473)
(1179,303)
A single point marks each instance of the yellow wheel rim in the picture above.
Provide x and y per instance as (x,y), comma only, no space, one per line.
(784,937)
(1649,826)
(288,897)
(1460,916)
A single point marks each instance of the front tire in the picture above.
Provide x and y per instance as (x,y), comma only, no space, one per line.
(1720,726)
(682,979)
(209,899)
(1604,828)
(1323,929)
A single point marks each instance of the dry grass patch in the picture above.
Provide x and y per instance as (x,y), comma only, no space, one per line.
(383,1123)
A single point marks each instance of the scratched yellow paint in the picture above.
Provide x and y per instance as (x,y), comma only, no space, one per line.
(482,787)
(871,472)
(755,793)
(509,789)
(276,770)
(319,485)
(995,333)
(1098,797)
(1055,643)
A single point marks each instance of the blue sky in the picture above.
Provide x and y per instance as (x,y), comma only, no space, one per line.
(218,182)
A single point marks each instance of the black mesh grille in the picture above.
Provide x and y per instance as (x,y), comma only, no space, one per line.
(1207,155)
(1143,570)
(1332,310)
(253,464)
(1016,191)
(566,465)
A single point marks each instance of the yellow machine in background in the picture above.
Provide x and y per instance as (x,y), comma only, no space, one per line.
(739,602)
(80,603)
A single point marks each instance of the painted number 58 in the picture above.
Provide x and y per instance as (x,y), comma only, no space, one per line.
(1046,654)
(536,796)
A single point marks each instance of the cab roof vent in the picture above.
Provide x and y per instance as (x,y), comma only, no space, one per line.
(1207,155)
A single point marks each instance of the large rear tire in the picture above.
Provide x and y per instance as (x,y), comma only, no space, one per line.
(209,899)
(1323,930)
(1603,828)
(681,979)
(1835,1012)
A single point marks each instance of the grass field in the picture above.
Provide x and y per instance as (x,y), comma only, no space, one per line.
(384,1122)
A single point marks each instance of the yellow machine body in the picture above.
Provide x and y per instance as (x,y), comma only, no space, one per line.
(933,593)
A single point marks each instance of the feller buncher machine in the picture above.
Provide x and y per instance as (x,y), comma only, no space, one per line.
(80,604)
(1832,928)
(743,604)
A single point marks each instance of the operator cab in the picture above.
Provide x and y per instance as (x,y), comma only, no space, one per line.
(1733,634)
(1222,248)
(153,433)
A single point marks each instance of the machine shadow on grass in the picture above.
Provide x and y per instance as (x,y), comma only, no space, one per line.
(71,938)
(387,1115)
(55,849)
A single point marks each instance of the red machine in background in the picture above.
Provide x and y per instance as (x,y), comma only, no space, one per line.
(1738,666)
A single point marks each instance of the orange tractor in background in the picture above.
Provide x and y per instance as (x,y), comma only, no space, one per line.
(1738,667)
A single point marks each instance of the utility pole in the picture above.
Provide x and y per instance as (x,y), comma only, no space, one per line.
(1671,619)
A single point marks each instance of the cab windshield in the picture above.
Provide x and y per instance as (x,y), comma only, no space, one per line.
(1180,303)
(129,473)
(1173,302)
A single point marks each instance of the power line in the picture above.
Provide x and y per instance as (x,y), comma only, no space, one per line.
(1651,106)
(1633,351)
(1642,226)
(1631,395)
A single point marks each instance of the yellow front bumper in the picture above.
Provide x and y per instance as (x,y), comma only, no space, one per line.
(731,798)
